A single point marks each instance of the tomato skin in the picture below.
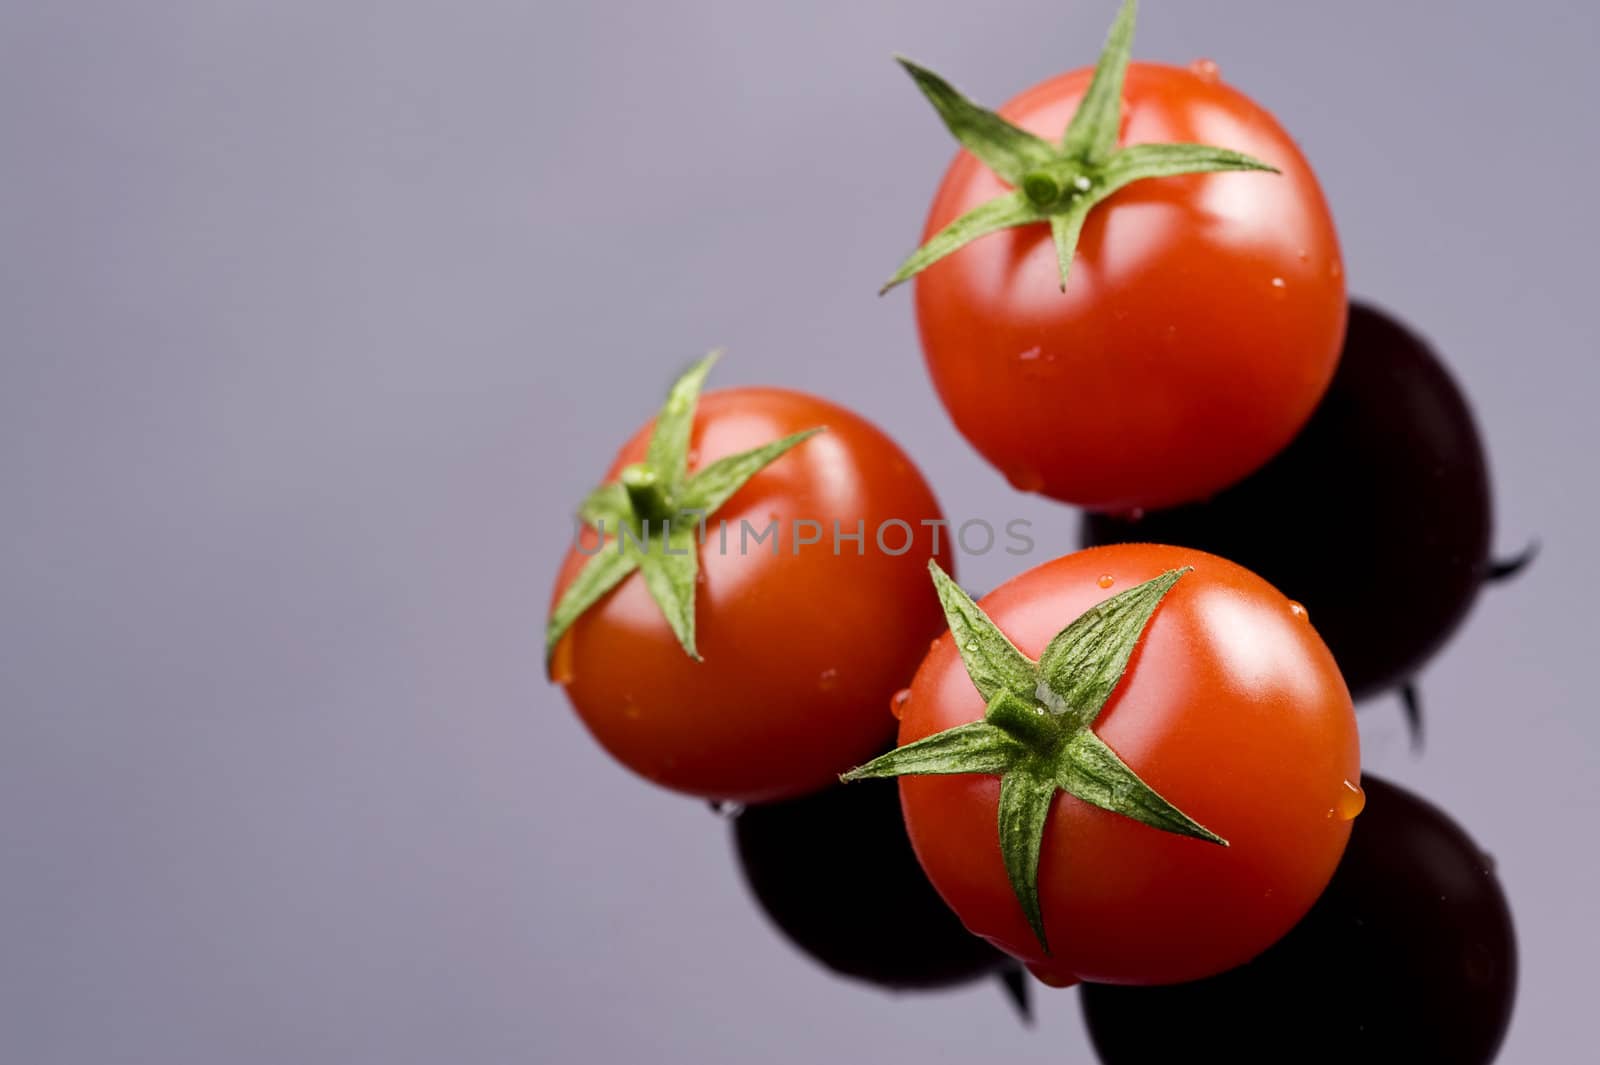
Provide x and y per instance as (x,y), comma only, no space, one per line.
(1231,708)
(1200,324)
(801,652)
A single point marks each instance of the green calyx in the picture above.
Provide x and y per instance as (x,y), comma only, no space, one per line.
(1058,184)
(1035,734)
(652,518)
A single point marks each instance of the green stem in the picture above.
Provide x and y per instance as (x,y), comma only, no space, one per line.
(647,496)
(1026,720)
(1041,187)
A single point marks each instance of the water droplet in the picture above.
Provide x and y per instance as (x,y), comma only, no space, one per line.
(1206,70)
(933,644)
(1336,269)
(897,704)
(561,663)
(1036,363)
(1299,611)
(829,680)
(1050,977)
(1106,580)
(725,809)
(1280,288)
(1305,256)
(1025,480)
(1082,183)
(972,645)
(1351,801)
(632,712)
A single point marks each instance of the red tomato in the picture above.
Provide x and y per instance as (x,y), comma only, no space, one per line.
(1231,708)
(1200,325)
(801,651)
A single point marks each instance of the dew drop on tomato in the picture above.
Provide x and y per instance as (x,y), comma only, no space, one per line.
(1206,70)
(1299,610)
(1036,367)
(561,664)
(1352,800)
(1106,580)
(829,680)
(1025,480)
(897,704)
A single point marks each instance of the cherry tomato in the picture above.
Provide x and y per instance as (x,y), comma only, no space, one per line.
(1231,708)
(882,923)
(1199,326)
(801,647)
(1409,955)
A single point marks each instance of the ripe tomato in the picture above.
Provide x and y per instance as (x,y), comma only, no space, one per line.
(1200,324)
(1230,708)
(801,648)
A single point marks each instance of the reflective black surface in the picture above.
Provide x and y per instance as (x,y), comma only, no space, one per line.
(835,872)
(1409,956)
(1377,517)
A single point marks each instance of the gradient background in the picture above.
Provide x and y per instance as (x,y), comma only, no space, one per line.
(318,317)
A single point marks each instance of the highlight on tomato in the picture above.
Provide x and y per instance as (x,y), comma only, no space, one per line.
(1134,764)
(746,593)
(1129,292)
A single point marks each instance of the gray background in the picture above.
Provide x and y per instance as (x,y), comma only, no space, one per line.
(317,318)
